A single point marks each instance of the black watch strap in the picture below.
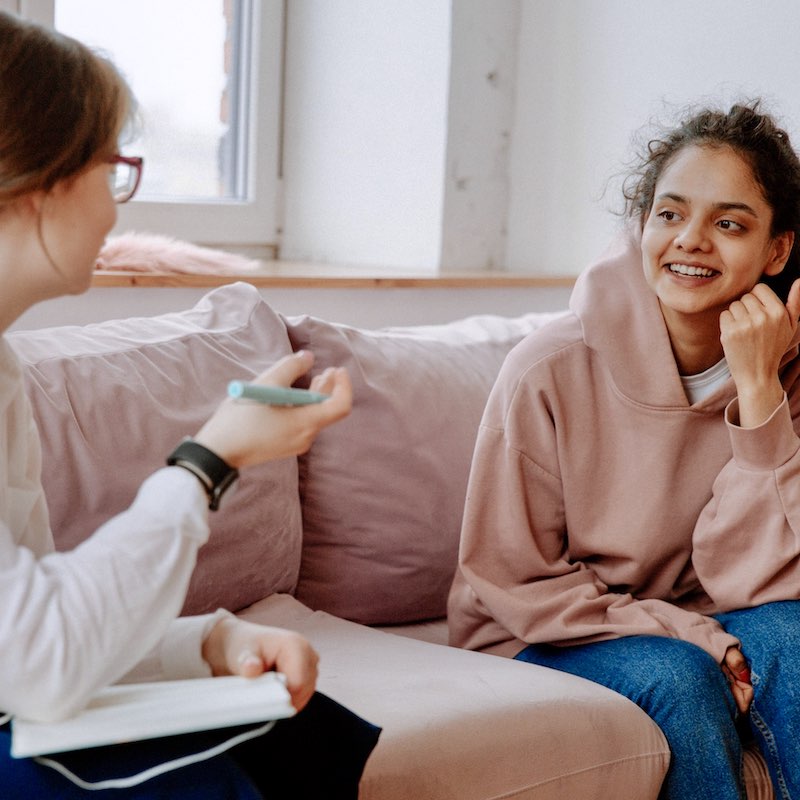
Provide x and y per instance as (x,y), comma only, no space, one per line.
(214,473)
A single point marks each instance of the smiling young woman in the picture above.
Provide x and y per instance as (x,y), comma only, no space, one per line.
(634,503)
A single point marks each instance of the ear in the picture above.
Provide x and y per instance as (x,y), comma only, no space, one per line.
(781,248)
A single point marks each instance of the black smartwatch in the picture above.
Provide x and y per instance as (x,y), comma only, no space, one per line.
(214,473)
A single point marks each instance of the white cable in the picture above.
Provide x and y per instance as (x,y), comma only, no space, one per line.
(159,769)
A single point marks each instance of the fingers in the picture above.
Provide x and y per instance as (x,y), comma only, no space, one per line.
(309,420)
(743,695)
(336,383)
(734,659)
(325,381)
(288,653)
(298,662)
(253,649)
(333,381)
(244,434)
(759,305)
(288,369)
(249,664)
(762,298)
(742,675)
(793,301)
(737,672)
(764,294)
(755,331)
(736,664)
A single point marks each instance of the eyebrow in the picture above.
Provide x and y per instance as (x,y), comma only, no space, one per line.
(717,206)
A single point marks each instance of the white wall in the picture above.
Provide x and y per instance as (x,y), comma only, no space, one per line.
(469,134)
(480,115)
(365,131)
(397,126)
(592,73)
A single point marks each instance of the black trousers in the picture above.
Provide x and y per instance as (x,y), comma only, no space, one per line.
(319,753)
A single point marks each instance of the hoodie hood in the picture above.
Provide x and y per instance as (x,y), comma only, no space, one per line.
(622,322)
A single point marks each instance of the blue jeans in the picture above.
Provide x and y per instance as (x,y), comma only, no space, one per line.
(684,691)
(321,752)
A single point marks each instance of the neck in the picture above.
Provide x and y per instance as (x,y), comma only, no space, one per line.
(23,268)
(695,340)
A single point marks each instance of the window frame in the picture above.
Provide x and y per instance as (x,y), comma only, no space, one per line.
(250,225)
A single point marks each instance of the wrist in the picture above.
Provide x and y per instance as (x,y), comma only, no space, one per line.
(213,472)
(215,444)
(757,403)
(213,647)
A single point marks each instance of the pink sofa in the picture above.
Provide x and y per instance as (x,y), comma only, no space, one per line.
(353,544)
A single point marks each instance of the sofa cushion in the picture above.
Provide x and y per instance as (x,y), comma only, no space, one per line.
(757,782)
(475,726)
(112,400)
(383,490)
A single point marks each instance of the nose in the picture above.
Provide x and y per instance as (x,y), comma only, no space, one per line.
(692,237)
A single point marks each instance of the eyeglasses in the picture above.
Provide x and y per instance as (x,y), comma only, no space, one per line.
(124,178)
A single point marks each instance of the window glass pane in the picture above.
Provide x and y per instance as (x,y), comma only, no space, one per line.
(178,57)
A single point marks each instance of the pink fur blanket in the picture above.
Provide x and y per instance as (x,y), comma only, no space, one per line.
(145,252)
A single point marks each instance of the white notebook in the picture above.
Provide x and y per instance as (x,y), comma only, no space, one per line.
(133,711)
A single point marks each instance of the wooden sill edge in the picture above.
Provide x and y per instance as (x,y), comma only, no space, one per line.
(328,277)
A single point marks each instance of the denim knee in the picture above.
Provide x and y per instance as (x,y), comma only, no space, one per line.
(771,630)
(770,637)
(687,681)
(653,671)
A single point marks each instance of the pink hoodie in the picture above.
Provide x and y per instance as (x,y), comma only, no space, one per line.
(601,504)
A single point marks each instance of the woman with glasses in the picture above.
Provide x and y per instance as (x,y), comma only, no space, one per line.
(71,623)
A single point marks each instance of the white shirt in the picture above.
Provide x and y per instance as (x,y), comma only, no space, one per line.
(704,384)
(73,622)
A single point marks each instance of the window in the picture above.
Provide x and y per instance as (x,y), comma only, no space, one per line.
(207,76)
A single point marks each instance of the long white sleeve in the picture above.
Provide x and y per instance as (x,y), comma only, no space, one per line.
(73,622)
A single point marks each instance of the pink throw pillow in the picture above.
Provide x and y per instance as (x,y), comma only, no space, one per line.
(113,399)
(383,490)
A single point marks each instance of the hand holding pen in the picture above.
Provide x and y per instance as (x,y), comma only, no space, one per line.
(244,432)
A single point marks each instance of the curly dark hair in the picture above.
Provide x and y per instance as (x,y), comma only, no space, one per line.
(759,140)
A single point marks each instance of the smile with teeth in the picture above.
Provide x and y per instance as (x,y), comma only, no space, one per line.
(694,272)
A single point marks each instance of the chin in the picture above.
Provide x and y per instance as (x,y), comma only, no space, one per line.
(80,283)
(682,304)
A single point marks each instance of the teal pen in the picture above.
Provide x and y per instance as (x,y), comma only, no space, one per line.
(274,395)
